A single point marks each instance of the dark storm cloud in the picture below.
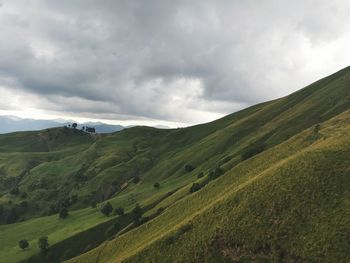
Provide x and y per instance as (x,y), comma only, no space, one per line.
(166,60)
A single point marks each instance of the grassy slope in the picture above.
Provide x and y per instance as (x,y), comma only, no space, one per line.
(160,155)
(257,186)
(289,203)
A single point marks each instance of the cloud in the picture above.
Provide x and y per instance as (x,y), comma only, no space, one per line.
(179,61)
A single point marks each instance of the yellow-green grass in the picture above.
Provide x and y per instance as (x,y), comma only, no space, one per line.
(290,203)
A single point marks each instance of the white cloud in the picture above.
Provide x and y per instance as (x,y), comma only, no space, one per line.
(180,62)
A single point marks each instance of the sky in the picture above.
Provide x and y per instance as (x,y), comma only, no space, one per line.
(163,62)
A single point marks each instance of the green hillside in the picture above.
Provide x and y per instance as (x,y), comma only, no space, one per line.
(269,183)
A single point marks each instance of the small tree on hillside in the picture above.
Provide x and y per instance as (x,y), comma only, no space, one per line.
(23,244)
(63,213)
(74,125)
(156,185)
(43,243)
(107,208)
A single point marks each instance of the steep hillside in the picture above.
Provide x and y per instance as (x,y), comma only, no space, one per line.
(290,204)
(260,175)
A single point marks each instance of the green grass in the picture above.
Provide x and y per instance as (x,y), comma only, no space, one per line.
(290,203)
(52,227)
(216,223)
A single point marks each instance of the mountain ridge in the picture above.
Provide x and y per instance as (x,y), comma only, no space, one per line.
(235,161)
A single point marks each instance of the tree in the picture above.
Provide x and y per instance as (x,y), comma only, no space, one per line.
(63,213)
(119,211)
(156,185)
(89,129)
(23,244)
(107,208)
(43,243)
(74,125)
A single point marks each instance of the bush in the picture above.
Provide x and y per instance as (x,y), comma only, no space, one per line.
(217,172)
(106,209)
(189,167)
(23,244)
(195,187)
(43,243)
(136,179)
(119,211)
(156,185)
(63,213)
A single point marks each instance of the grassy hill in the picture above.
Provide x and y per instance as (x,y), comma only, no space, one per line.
(271,184)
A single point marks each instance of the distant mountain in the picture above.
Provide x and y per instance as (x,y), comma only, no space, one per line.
(12,124)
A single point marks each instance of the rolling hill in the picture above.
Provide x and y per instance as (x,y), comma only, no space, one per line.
(266,184)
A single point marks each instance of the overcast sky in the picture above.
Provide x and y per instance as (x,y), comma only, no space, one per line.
(163,62)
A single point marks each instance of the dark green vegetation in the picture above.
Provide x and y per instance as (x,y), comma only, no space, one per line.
(268,184)
(23,244)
